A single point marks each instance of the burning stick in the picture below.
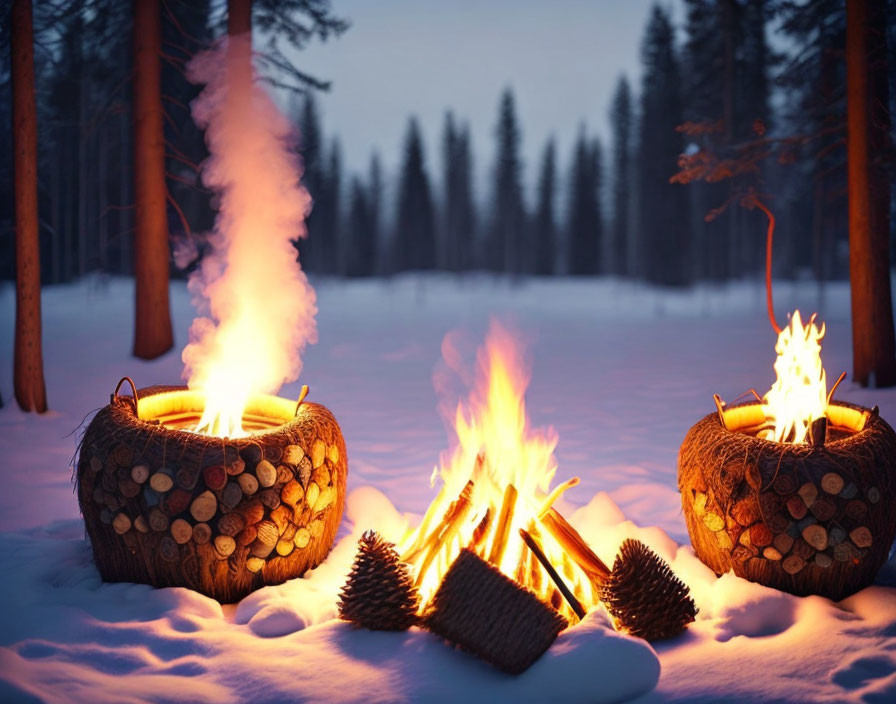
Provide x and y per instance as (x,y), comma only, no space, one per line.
(642,594)
(549,568)
(446,530)
(481,530)
(555,494)
(424,540)
(818,430)
(502,530)
(575,546)
(423,531)
(834,387)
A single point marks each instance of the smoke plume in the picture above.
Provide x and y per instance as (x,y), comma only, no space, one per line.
(256,307)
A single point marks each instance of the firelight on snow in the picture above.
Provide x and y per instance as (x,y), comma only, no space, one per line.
(798,395)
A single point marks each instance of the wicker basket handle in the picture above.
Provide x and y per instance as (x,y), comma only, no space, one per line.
(136,399)
(302,394)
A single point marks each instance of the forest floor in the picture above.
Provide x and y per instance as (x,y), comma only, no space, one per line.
(618,369)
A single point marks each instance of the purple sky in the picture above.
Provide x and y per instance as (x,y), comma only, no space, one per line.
(423,56)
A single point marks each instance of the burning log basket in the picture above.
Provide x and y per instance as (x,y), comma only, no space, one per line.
(222,516)
(808,519)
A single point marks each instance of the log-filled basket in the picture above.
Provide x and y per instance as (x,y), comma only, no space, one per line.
(223,516)
(815,518)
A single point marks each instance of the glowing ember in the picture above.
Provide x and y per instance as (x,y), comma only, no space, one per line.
(798,396)
(495,481)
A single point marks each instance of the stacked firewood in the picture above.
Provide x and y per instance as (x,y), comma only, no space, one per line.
(267,507)
(809,519)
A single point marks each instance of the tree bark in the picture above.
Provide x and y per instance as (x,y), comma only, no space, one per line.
(152,325)
(102,222)
(30,391)
(126,259)
(239,16)
(83,130)
(874,350)
(239,24)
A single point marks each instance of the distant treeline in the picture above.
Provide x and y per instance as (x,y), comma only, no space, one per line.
(610,209)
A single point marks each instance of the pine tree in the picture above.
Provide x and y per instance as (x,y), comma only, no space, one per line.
(379,594)
(544,226)
(505,246)
(185,32)
(703,58)
(360,234)
(621,120)
(331,212)
(375,207)
(813,83)
(311,247)
(726,88)
(415,237)
(446,245)
(457,201)
(584,229)
(663,208)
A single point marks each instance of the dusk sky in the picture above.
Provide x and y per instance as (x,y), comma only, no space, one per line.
(399,58)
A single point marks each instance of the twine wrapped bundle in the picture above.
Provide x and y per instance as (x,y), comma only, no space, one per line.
(219,515)
(479,609)
(807,519)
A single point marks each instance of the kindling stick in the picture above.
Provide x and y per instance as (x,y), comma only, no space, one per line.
(575,546)
(502,529)
(549,568)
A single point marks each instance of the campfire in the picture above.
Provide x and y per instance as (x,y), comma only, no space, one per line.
(493,566)
(496,481)
(788,489)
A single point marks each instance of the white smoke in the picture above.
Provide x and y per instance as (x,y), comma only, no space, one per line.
(256,306)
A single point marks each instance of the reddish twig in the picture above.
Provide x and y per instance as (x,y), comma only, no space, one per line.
(752,200)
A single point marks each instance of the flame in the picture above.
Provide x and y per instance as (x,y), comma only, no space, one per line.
(496,448)
(798,396)
(257,307)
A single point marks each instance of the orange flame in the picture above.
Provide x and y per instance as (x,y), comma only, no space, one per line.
(798,395)
(496,447)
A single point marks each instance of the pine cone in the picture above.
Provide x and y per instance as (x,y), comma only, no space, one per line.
(644,596)
(379,594)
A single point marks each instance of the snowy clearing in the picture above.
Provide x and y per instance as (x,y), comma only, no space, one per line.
(621,371)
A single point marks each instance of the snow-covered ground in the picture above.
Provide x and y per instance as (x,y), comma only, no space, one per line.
(621,371)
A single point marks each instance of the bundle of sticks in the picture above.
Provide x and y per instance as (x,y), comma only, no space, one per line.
(640,592)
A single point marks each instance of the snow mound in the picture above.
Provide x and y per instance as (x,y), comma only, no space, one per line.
(67,636)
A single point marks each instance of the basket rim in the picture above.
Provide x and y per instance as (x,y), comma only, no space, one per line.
(873,422)
(124,404)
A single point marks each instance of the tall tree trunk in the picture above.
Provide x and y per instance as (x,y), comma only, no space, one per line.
(239,16)
(102,221)
(152,324)
(30,391)
(56,205)
(874,350)
(126,259)
(729,260)
(70,205)
(82,174)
